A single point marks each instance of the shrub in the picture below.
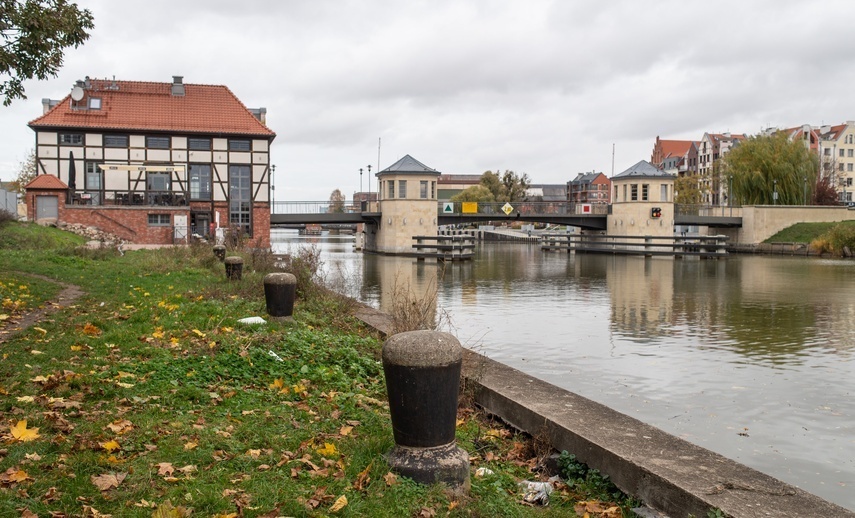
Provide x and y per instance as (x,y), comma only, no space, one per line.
(839,241)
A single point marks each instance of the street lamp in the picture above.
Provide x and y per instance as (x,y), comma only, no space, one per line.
(360,179)
(804,198)
(775,192)
(273,185)
(369,186)
(730,193)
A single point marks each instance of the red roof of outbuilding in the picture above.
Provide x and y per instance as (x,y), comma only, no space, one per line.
(675,147)
(46,181)
(146,106)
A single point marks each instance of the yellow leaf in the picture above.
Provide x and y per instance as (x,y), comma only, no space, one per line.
(91,330)
(76,348)
(40,330)
(227,329)
(36,352)
(110,446)
(345,430)
(199,333)
(277,384)
(328,449)
(459,422)
(24,434)
(339,504)
(157,334)
(190,445)
(25,399)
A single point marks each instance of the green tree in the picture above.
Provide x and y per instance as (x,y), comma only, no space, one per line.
(687,190)
(763,165)
(477,193)
(336,201)
(33,37)
(508,186)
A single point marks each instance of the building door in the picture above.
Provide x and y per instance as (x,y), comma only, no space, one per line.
(47,207)
(201,223)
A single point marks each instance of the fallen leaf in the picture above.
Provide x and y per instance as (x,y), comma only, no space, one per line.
(108,481)
(339,504)
(390,478)
(328,449)
(25,399)
(199,333)
(40,330)
(91,330)
(110,446)
(13,476)
(345,430)
(24,434)
(121,426)
(165,469)
(167,510)
(362,479)
(190,445)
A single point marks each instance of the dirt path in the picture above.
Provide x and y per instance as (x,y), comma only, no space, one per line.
(64,298)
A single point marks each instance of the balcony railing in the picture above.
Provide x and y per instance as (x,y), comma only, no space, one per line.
(125,197)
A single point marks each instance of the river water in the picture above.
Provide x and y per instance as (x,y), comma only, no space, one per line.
(752,357)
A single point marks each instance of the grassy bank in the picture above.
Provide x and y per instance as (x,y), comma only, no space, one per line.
(146,397)
(805,232)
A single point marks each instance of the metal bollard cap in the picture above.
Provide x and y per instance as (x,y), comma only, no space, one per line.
(422,349)
(234,259)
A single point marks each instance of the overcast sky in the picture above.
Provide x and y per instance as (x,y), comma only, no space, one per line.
(538,87)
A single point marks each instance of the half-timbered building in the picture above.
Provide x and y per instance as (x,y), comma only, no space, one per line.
(154,163)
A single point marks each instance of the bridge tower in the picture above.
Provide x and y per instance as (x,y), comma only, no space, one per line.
(642,202)
(408,207)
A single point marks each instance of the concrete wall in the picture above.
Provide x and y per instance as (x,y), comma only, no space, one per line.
(634,219)
(763,221)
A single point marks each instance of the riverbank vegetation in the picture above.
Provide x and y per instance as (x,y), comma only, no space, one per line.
(830,238)
(147,397)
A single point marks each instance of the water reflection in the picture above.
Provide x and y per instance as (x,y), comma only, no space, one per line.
(705,350)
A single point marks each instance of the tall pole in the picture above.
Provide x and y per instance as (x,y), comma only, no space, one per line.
(360,180)
(369,187)
(804,198)
(730,194)
(774,192)
(273,186)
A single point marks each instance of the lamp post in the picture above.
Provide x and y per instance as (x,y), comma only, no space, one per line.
(804,198)
(730,193)
(369,187)
(775,192)
(273,185)
(360,179)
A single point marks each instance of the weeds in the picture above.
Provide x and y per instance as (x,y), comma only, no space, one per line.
(839,241)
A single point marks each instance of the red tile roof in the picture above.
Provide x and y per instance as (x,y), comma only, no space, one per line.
(146,106)
(675,147)
(46,181)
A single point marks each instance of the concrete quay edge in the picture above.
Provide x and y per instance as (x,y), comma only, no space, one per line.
(667,473)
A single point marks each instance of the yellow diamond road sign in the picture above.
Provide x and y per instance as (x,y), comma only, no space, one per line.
(507,208)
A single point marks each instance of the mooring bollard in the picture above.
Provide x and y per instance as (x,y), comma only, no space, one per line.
(234,267)
(280,290)
(220,252)
(422,379)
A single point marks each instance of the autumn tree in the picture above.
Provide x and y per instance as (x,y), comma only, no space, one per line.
(33,37)
(507,186)
(336,201)
(763,165)
(26,172)
(476,193)
(687,190)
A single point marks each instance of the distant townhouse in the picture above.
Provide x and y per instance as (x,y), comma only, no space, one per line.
(593,187)
(837,156)
(449,185)
(711,148)
(678,157)
(153,162)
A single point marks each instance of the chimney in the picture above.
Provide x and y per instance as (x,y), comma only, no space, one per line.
(260,114)
(178,86)
(46,105)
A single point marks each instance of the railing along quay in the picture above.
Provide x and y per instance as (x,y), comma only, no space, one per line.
(674,246)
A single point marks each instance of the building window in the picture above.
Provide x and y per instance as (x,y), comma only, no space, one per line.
(157,142)
(849,153)
(239,145)
(645,189)
(92,183)
(842,151)
(391,184)
(840,166)
(433,190)
(849,167)
(199,144)
(402,189)
(423,192)
(826,151)
(849,182)
(633,188)
(615,192)
(71,139)
(200,181)
(94,103)
(159,220)
(158,187)
(115,141)
(240,198)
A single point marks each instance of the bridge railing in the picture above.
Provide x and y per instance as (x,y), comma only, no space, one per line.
(707,210)
(524,208)
(314,207)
